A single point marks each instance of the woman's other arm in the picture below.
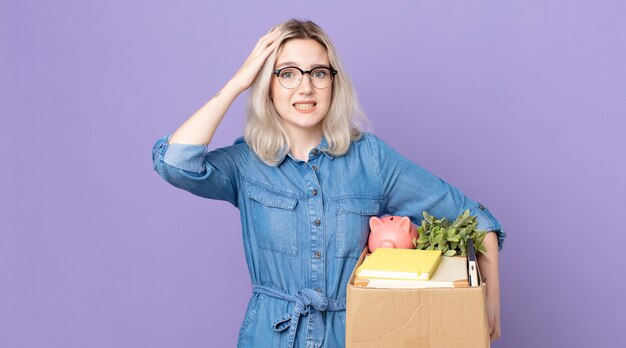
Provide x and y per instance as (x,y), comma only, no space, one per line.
(488,264)
(410,190)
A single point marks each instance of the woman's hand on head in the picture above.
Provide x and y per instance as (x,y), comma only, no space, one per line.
(201,126)
(248,71)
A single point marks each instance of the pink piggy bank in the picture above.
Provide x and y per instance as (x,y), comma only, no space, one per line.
(391,232)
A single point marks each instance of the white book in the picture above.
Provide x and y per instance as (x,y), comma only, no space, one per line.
(451,273)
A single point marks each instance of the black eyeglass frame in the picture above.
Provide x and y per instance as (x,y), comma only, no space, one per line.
(277,73)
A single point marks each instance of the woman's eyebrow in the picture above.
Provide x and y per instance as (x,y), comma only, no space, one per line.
(286,64)
(296,65)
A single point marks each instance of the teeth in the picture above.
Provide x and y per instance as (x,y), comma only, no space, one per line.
(303,106)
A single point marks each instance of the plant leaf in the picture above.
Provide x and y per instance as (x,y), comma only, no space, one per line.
(427,217)
(465,214)
(439,238)
(450,253)
(482,249)
(451,232)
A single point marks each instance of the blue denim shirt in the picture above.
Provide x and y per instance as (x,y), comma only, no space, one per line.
(304,224)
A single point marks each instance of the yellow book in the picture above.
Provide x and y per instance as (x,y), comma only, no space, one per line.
(451,273)
(389,263)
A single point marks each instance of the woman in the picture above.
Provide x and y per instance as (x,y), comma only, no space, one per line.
(306,180)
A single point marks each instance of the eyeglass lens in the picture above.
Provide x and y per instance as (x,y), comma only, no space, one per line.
(291,77)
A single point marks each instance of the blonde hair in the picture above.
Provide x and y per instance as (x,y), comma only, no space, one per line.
(343,123)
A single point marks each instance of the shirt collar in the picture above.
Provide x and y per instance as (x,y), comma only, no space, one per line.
(322,147)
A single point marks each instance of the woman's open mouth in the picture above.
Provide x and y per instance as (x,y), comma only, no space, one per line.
(305,107)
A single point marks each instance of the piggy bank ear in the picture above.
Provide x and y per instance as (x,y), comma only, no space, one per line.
(375,222)
(405,223)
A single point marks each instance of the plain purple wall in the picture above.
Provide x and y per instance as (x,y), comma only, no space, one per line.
(520,104)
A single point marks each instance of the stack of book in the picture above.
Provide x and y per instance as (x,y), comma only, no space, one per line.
(411,269)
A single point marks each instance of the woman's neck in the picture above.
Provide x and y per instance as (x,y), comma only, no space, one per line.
(302,141)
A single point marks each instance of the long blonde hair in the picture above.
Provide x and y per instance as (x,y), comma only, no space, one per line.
(343,123)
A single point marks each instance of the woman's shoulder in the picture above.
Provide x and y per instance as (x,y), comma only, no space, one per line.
(368,141)
(368,137)
(373,145)
(240,145)
(238,152)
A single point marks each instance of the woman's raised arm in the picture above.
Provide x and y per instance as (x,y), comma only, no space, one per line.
(200,127)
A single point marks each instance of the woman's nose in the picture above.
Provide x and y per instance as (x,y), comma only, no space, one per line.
(305,85)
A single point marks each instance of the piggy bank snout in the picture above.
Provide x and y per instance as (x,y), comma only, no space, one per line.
(387,244)
(391,232)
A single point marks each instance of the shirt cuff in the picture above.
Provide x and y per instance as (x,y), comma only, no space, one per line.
(487,222)
(184,156)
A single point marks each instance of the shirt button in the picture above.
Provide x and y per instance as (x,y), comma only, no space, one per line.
(316,152)
(482,207)
(318,222)
(315,168)
(318,255)
(318,290)
(314,192)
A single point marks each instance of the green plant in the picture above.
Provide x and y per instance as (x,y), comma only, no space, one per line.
(450,238)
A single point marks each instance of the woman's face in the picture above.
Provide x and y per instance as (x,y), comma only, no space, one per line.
(304,107)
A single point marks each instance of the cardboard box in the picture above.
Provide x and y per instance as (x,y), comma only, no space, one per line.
(430,318)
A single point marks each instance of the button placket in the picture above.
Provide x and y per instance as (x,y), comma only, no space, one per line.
(316,213)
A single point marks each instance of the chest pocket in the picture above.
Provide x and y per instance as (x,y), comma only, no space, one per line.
(353,215)
(275,221)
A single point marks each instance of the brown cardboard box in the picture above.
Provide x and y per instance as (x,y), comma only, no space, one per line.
(430,318)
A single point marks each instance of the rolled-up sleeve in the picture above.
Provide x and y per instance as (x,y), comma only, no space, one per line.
(409,189)
(487,222)
(193,168)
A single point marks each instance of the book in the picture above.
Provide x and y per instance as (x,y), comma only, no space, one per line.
(392,263)
(472,264)
(451,273)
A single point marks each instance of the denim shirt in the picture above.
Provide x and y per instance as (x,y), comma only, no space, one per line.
(305,223)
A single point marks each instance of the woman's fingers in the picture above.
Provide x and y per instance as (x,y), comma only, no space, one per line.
(270,47)
(265,46)
(250,68)
(266,40)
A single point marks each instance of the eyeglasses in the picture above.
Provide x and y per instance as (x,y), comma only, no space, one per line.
(291,76)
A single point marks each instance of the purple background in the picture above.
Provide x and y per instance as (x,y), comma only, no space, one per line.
(520,104)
